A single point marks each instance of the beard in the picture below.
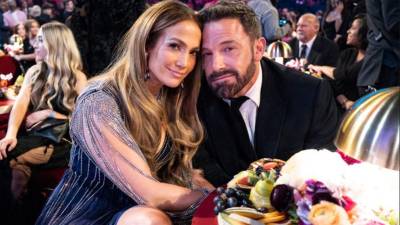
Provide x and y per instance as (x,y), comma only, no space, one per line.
(227,89)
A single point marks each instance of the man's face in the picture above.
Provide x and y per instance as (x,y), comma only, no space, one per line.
(230,57)
(306,29)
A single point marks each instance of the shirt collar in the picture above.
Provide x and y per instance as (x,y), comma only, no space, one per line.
(254,92)
(309,43)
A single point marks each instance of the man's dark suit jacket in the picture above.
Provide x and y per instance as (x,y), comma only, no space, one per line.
(323,52)
(296,112)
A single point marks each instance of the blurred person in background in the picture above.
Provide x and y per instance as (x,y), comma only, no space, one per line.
(3,31)
(14,15)
(69,7)
(311,46)
(268,15)
(32,27)
(349,64)
(35,12)
(381,67)
(336,21)
(23,6)
(25,56)
(49,90)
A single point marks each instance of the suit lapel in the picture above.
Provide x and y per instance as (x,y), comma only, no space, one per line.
(271,113)
(296,52)
(314,52)
(233,146)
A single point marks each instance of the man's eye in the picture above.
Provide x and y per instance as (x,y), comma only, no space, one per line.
(228,49)
(206,54)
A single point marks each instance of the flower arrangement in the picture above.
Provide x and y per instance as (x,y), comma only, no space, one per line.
(320,188)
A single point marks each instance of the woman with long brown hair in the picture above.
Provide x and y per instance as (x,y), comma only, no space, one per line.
(49,90)
(136,129)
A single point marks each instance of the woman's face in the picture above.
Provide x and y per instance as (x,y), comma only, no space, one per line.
(34,29)
(173,56)
(21,30)
(40,49)
(352,33)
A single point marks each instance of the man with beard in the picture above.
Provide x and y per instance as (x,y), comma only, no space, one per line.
(284,111)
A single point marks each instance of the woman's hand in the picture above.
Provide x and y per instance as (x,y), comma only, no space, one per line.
(200,182)
(347,104)
(344,102)
(7,144)
(314,68)
(36,117)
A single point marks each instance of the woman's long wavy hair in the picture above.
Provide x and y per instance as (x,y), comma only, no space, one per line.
(55,80)
(174,114)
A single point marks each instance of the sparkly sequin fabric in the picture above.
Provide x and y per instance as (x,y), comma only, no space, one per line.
(108,173)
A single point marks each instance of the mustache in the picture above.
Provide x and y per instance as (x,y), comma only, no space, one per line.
(216,74)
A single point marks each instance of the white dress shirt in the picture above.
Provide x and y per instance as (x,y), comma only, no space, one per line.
(309,46)
(249,108)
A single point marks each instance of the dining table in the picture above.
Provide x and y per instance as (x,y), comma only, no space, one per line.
(204,214)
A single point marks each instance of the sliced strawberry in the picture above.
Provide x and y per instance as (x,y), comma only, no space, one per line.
(270,165)
(243,181)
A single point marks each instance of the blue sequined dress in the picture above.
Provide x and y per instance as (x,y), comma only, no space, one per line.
(106,174)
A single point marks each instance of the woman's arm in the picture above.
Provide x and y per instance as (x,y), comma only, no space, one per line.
(344,101)
(17,115)
(98,128)
(30,57)
(327,70)
(81,82)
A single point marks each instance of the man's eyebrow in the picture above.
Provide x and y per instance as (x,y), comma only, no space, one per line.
(221,43)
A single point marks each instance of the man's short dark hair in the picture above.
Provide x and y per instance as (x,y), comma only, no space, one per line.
(233,9)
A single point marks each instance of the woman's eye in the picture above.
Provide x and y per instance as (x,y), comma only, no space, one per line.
(174,46)
(194,52)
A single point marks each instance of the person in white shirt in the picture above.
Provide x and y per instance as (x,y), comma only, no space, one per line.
(14,15)
(311,46)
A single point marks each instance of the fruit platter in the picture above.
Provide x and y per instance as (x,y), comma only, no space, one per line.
(314,187)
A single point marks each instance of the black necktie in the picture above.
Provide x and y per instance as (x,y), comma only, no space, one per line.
(303,52)
(237,102)
(238,121)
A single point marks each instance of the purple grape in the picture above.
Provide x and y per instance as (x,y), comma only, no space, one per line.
(217,199)
(220,190)
(241,195)
(281,197)
(221,205)
(232,202)
(216,210)
(230,192)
